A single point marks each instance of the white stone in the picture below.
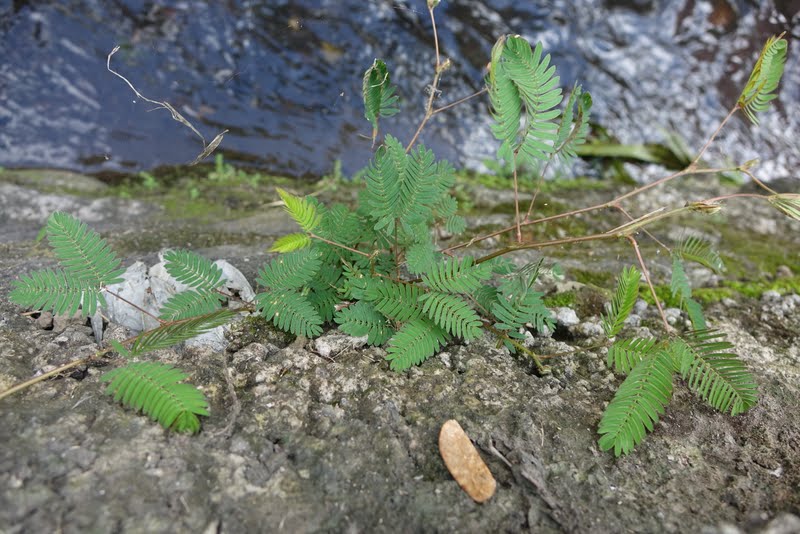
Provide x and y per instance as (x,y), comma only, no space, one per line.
(566,317)
(330,345)
(151,288)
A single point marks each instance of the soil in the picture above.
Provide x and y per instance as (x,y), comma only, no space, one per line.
(323,437)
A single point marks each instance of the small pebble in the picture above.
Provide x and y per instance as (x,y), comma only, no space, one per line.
(783,271)
(45,321)
(566,317)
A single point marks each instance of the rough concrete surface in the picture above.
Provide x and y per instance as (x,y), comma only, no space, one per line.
(324,438)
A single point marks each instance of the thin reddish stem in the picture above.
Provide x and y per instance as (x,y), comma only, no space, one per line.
(136,306)
(459,101)
(649,282)
(335,244)
(516,201)
(434,86)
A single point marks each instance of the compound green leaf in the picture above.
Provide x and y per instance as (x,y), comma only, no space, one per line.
(81,251)
(623,301)
(362,319)
(292,270)
(414,343)
(637,405)
(290,311)
(192,269)
(760,88)
(156,390)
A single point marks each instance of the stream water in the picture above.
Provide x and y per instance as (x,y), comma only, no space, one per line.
(285,76)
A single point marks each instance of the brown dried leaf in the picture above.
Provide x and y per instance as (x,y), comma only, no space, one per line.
(464,462)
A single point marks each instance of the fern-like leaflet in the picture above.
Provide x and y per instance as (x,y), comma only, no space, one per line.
(457,275)
(764,79)
(420,257)
(396,301)
(516,306)
(88,266)
(193,270)
(362,319)
(625,354)
(56,291)
(699,251)
(788,203)
(156,390)
(623,301)
(290,311)
(572,133)
(485,297)
(323,293)
(290,243)
(302,210)
(682,290)
(81,251)
(455,224)
(379,95)
(344,226)
(189,304)
(414,343)
(452,313)
(679,283)
(638,403)
(290,271)
(717,375)
(520,77)
(401,187)
(175,332)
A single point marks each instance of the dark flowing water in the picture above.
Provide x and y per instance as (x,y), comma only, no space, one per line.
(285,76)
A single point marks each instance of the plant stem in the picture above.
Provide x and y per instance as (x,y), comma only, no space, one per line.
(647,232)
(649,283)
(735,195)
(519,346)
(543,244)
(460,101)
(690,169)
(433,87)
(610,204)
(758,182)
(633,226)
(49,374)
(136,306)
(730,114)
(516,201)
(335,244)
(538,188)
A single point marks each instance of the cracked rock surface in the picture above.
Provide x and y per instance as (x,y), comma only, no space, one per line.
(323,437)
